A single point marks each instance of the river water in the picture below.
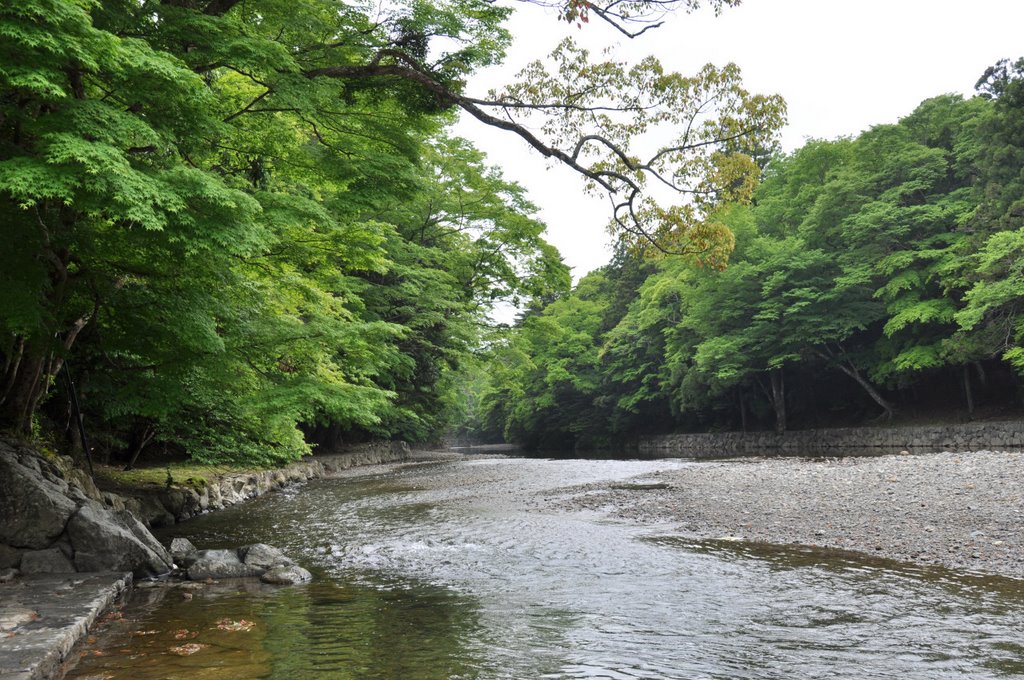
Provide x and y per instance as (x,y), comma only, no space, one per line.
(464,569)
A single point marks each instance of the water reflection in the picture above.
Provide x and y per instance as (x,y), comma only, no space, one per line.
(243,629)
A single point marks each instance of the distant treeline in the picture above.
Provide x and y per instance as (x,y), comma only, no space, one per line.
(875,277)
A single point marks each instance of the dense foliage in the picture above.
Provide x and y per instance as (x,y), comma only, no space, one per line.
(225,247)
(244,227)
(872,277)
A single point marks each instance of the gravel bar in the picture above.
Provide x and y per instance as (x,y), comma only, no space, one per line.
(959,510)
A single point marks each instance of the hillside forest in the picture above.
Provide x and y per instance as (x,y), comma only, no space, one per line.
(874,279)
(240,231)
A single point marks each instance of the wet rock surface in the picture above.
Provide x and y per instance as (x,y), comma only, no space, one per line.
(286,576)
(263,556)
(42,616)
(255,560)
(959,510)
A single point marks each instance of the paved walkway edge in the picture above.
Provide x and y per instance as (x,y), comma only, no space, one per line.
(64,607)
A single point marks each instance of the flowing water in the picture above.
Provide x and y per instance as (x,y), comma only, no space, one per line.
(461,569)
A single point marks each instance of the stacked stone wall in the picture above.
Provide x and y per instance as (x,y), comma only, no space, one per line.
(1000,436)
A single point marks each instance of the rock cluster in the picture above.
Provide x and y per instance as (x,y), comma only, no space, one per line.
(167,506)
(55,520)
(256,560)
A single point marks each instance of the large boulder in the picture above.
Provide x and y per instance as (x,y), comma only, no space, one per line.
(49,561)
(183,552)
(33,501)
(151,511)
(9,557)
(220,564)
(107,541)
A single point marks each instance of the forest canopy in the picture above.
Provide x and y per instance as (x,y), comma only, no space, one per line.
(241,227)
(873,278)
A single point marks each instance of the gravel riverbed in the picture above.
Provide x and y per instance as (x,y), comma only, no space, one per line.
(958,510)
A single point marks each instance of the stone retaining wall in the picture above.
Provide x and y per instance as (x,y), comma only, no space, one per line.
(1005,435)
(53,518)
(163,507)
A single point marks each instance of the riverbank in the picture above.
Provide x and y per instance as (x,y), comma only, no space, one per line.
(959,510)
(68,547)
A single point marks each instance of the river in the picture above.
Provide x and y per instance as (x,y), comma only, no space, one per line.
(465,569)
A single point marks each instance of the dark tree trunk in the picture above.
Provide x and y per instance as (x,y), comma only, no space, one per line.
(28,379)
(26,385)
(846,366)
(779,398)
(743,410)
(982,376)
(141,440)
(968,392)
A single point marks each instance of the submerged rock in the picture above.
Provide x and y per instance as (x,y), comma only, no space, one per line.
(220,564)
(286,576)
(263,556)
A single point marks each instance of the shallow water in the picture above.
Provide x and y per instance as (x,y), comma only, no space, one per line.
(461,570)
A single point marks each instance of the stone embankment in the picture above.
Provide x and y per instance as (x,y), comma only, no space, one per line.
(165,506)
(68,549)
(55,519)
(999,436)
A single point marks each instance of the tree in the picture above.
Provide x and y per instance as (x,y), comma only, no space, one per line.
(219,169)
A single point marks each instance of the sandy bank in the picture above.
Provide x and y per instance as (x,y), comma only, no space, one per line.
(959,510)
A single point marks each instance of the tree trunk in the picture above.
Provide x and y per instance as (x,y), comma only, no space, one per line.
(147,435)
(847,367)
(982,376)
(968,392)
(27,385)
(743,410)
(779,398)
(28,378)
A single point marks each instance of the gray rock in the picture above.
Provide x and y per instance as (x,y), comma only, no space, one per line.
(286,576)
(183,552)
(8,575)
(114,501)
(106,541)
(9,557)
(12,616)
(32,504)
(263,556)
(152,512)
(220,564)
(49,561)
(82,480)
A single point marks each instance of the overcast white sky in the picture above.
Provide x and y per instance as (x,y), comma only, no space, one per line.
(842,66)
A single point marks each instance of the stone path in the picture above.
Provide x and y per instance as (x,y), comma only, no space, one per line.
(43,616)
